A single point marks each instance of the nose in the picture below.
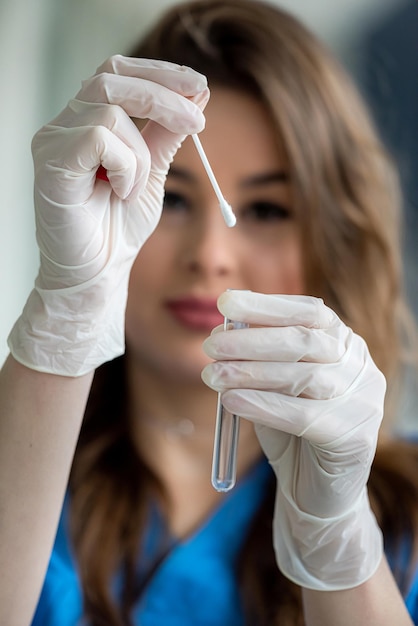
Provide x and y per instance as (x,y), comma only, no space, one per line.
(210,248)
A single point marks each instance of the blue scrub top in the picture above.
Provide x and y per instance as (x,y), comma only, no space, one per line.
(195,582)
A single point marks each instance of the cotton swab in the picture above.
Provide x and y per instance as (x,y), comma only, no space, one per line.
(226,209)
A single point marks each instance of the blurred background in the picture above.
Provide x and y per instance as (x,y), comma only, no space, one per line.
(47,47)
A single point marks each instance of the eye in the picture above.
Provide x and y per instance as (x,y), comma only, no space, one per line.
(174,201)
(266,211)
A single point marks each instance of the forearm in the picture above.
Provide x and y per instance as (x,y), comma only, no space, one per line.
(375,602)
(40,418)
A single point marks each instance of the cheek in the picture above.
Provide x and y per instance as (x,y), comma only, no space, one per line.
(151,264)
(146,282)
(278,269)
(138,301)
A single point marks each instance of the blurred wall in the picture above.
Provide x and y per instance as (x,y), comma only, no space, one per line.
(47,47)
(386,72)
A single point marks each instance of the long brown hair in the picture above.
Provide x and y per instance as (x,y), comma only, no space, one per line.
(346,195)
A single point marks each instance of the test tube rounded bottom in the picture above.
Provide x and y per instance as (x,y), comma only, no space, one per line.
(224,464)
(225,449)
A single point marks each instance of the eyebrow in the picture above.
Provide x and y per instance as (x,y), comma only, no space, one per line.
(279,176)
(181,174)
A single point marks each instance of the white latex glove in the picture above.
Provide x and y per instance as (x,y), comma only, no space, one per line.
(89,231)
(311,387)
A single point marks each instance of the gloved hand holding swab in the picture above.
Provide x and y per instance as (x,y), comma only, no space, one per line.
(227,212)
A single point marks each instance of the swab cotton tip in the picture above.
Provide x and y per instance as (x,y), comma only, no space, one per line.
(228,214)
(226,208)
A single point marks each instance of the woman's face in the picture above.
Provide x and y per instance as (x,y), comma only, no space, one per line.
(193,257)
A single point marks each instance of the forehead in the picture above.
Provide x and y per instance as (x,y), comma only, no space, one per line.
(239,134)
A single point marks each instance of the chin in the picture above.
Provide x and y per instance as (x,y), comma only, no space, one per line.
(182,360)
(186,367)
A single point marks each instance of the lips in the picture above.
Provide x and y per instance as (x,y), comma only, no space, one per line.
(195,313)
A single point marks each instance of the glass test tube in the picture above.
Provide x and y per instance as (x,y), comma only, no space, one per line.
(224,464)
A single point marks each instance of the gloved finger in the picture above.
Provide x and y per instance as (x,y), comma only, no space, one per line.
(145,99)
(180,78)
(282,344)
(278,411)
(120,124)
(75,153)
(316,420)
(217,329)
(276,310)
(162,143)
(307,380)
(79,113)
(295,416)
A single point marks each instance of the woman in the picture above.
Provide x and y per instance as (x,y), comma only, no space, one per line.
(143,536)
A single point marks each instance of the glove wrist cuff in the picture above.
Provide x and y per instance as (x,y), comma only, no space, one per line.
(328,554)
(70,332)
